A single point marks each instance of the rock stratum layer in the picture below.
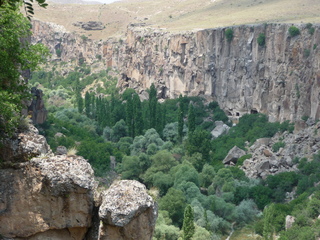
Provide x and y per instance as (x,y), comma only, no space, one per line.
(280,78)
(46,196)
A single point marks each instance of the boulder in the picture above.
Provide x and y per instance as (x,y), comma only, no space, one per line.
(127,212)
(219,129)
(233,155)
(24,146)
(49,197)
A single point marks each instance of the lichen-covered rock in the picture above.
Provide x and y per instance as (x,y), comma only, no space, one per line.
(23,146)
(47,196)
(127,212)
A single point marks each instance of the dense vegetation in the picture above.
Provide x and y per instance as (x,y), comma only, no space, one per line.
(169,148)
(16,55)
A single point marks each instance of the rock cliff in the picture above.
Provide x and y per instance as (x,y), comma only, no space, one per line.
(47,196)
(280,78)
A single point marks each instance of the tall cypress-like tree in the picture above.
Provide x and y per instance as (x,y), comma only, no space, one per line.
(188,227)
(79,102)
(129,116)
(138,118)
(191,119)
(152,106)
(159,113)
(87,103)
(180,123)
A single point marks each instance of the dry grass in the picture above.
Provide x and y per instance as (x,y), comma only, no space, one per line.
(179,15)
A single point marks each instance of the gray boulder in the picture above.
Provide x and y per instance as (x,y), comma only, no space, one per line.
(219,129)
(233,155)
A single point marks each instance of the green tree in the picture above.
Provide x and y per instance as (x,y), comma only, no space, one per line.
(137,116)
(16,55)
(188,227)
(119,130)
(191,119)
(152,106)
(180,123)
(229,34)
(87,103)
(28,7)
(174,203)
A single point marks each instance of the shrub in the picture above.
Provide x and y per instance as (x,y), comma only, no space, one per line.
(261,39)
(294,31)
(277,146)
(241,159)
(84,37)
(310,28)
(306,53)
(229,34)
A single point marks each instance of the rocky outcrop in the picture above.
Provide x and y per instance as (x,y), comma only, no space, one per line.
(221,128)
(36,107)
(126,207)
(265,161)
(65,46)
(233,155)
(47,196)
(89,26)
(23,146)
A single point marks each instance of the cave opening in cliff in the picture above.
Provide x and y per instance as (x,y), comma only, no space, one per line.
(254,111)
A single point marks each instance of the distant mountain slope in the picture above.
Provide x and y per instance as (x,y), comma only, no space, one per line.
(178,15)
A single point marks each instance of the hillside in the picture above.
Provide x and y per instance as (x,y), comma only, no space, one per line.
(178,15)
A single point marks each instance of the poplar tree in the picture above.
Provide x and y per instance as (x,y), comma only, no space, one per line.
(138,118)
(129,116)
(188,227)
(191,119)
(87,103)
(180,123)
(152,106)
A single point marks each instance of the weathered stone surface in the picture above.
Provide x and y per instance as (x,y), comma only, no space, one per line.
(127,207)
(233,155)
(304,142)
(23,146)
(61,150)
(219,129)
(46,193)
(289,221)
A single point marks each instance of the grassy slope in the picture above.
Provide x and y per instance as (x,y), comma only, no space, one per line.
(179,15)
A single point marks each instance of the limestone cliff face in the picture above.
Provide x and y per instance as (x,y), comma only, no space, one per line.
(65,46)
(281,79)
(51,197)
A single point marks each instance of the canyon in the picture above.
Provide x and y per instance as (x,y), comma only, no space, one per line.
(280,78)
